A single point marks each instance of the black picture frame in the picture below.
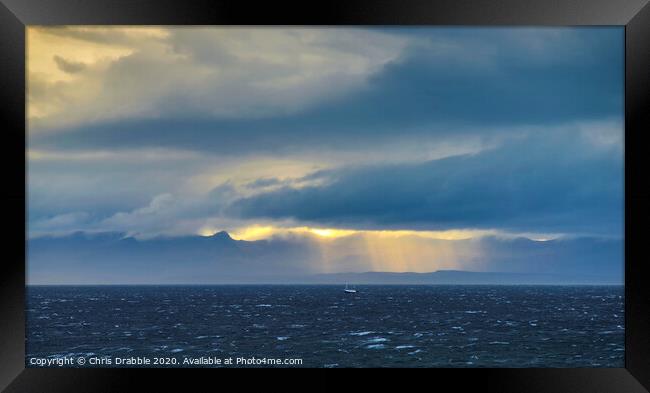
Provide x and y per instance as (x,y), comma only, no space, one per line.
(633,14)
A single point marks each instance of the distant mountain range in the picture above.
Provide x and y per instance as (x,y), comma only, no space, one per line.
(113,258)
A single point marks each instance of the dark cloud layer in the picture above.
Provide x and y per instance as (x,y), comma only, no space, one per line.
(541,183)
(451,80)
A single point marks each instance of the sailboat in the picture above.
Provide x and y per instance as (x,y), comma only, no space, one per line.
(349,290)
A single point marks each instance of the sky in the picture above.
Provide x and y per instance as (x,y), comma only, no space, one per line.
(412,149)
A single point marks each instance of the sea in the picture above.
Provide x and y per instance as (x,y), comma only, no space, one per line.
(322,326)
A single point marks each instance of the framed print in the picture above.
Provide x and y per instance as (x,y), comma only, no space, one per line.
(444,186)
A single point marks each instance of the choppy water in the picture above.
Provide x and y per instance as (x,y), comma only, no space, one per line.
(381,326)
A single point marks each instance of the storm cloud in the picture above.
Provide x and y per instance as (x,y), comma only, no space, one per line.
(550,182)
